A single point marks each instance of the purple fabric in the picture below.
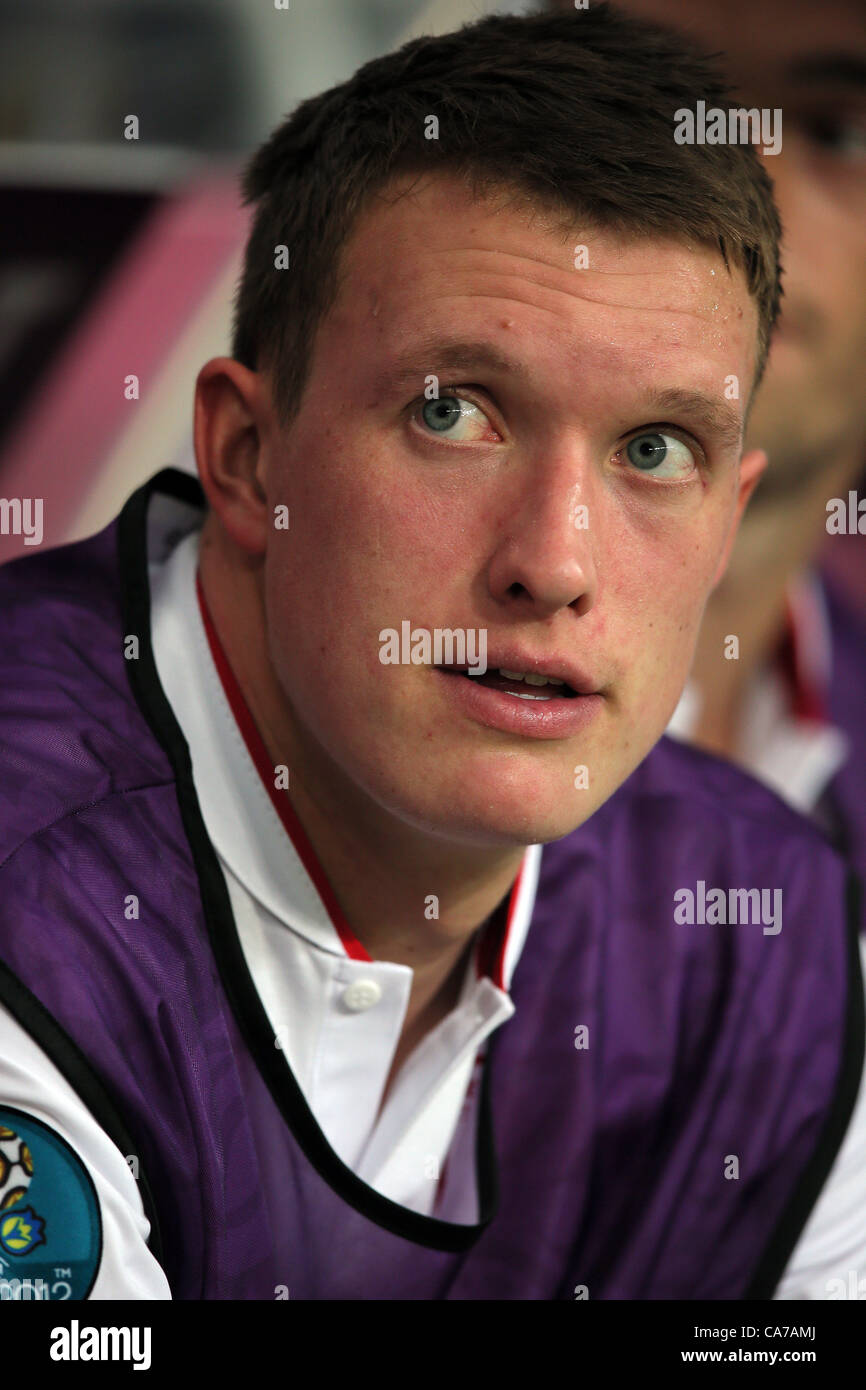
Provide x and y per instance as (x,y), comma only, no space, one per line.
(847,708)
(704,1041)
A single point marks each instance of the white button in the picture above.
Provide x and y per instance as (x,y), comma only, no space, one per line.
(363,994)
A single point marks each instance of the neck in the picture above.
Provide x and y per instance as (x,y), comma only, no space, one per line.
(777,543)
(383,871)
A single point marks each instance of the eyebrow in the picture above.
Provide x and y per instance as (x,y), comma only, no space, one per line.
(716,417)
(839,69)
(457,353)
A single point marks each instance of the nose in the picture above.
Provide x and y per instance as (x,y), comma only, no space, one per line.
(546,560)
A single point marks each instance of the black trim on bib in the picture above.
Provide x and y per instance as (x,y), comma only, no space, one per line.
(780,1246)
(234,973)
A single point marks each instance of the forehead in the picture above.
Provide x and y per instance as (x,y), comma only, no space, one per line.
(428,256)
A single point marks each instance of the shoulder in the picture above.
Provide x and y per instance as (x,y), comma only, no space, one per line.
(847,621)
(687,823)
(71,734)
(833,1242)
(92,838)
(711,803)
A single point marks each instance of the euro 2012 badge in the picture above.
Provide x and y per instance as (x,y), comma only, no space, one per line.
(50,1225)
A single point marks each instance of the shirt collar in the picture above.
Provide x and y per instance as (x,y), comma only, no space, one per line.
(265,846)
(804,657)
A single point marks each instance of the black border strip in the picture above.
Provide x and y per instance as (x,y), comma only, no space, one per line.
(77,1070)
(780,1246)
(234,973)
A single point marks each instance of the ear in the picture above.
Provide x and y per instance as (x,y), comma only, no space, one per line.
(752,466)
(231,417)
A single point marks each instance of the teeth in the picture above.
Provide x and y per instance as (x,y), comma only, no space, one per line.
(530,677)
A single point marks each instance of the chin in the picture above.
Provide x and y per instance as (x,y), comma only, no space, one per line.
(491,811)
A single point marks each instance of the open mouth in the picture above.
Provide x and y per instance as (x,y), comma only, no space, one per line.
(522,685)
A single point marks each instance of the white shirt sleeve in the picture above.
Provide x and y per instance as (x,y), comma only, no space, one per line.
(829,1261)
(30,1081)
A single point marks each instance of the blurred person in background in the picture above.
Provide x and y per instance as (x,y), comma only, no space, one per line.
(790,706)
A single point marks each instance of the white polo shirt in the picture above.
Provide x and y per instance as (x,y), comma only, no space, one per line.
(337,1013)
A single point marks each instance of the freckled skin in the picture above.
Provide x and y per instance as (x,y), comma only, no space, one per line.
(388,523)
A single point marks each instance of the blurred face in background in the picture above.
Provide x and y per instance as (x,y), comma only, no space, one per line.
(809,60)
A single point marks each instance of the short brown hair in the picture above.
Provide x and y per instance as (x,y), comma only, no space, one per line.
(576,112)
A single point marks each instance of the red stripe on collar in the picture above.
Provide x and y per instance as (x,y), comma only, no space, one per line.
(279,799)
(494,941)
(803,653)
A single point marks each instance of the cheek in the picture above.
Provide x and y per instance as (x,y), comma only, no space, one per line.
(362,553)
(659,589)
(354,504)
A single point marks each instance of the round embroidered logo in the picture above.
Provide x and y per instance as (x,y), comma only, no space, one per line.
(50,1226)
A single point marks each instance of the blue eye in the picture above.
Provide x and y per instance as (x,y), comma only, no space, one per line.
(662,455)
(455,418)
(442,413)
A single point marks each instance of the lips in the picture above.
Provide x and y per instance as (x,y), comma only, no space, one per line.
(523,674)
(517,707)
(533,686)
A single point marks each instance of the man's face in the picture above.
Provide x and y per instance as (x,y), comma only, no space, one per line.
(810,61)
(543,508)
